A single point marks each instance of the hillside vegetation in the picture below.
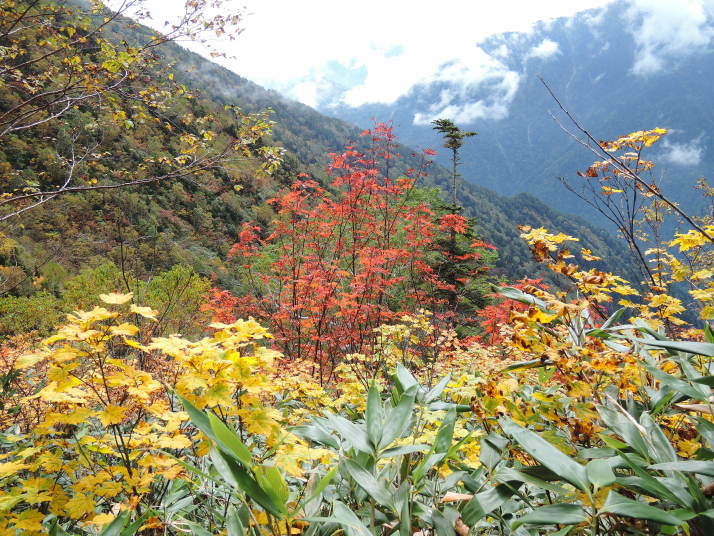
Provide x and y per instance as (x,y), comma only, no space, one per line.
(217,319)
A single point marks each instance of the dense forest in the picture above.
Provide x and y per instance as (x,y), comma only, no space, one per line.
(224,313)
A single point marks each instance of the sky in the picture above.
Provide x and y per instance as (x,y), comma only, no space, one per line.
(333,52)
(373,50)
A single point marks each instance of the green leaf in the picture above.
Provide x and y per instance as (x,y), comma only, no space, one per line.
(446,432)
(650,484)
(705,380)
(708,335)
(491,448)
(600,473)
(324,482)
(377,490)
(317,434)
(625,428)
(553,514)
(405,521)
(614,317)
(344,517)
(487,501)
(622,506)
(373,416)
(690,347)
(427,463)
(661,449)
(398,418)
(522,365)
(241,479)
(441,524)
(198,418)
(234,527)
(352,434)
(697,392)
(435,392)
(520,296)
(686,466)
(229,441)
(548,455)
(404,449)
(405,379)
(271,482)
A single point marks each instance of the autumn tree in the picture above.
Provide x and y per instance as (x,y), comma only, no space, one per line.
(459,260)
(94,68)
(338,262)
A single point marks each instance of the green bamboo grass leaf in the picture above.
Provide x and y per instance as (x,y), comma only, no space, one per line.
(522,365)
(446,406)
(404,449)
(553,514)
(324,482)
(229,441)
(614,317)
(198,418)
(446,432)
(351,433)
(520,296)
(690,347)
(405,379)
(374,416)
(705,380)
(696,392)
(317,434)
(234,527)
(117,525)
(344,517)
(708,334)
(435,392)
(686,466)
(272,483)
(622,506)
(548,455)
(377,490)
(650,484)
(398,418)
(600,473)
(241,479)
(486,502)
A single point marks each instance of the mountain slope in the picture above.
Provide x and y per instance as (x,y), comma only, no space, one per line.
(194,222)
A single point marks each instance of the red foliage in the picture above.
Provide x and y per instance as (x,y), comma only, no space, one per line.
(336,265)
(494,316)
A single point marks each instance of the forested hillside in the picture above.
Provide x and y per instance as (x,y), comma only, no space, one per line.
(222,313)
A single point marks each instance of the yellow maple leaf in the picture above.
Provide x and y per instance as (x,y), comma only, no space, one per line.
(124,329)
(29,520)
(114,298)
(79,506)
(101,519)
(112,414)
(27,361)
(178,441)
(10,468)
(146,312)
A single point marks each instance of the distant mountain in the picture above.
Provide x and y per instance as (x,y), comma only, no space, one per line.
(610,67)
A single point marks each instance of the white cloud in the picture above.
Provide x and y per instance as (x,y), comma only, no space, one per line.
(393,45)
(499,86)
(683,154)
(664,30)
(543,50)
